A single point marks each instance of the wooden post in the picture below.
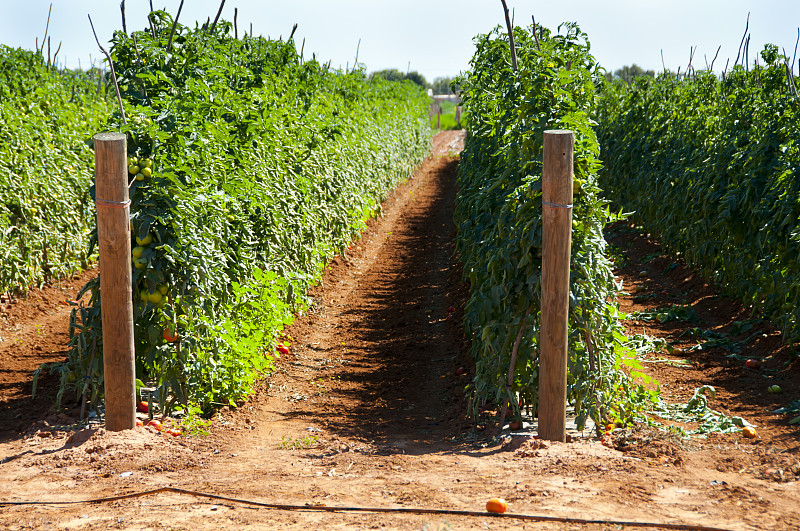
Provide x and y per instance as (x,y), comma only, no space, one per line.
(114,235)
(556,243)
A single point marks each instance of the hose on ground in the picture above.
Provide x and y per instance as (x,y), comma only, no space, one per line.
(405,510)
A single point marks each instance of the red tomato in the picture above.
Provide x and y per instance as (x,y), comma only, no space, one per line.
(283,349)
(156,424)
(752,364)
(141,407)
(139,422)
(169,336)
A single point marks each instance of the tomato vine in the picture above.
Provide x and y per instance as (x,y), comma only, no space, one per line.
(710,166)
(46,168)
(499,213)
(262,167)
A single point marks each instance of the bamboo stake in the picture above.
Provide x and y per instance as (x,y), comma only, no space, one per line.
(556,243)
(116,303)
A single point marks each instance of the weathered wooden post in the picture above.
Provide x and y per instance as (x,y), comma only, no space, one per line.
(114,235)
(556,242)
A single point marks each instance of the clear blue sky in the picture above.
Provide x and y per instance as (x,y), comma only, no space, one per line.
(435,36)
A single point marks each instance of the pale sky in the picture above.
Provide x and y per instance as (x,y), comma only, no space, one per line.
(434,37)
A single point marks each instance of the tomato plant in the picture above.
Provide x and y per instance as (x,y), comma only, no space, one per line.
(47,115)
(499,219)
(712,166)
(249,169)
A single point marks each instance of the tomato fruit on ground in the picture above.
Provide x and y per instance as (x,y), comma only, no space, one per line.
(142,407)
(156,424)
(752,364)
(283,349)
(496,505)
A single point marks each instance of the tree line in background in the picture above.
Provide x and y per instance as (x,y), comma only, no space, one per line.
(440,85)
(629,73)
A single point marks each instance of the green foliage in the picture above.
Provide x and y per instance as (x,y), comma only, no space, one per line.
(447,119)
(696,410)
(792,408)
(393,74)
(629,73)
(46,168)
(442,85)
(667,314)
(711,166)
(499,219)
(264,167)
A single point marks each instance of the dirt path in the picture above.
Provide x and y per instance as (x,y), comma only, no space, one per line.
(367,410)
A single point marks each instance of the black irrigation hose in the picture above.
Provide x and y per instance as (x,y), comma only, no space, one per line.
(285,507)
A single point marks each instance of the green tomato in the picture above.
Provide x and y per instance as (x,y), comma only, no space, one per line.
(137,252)
(133,169)
(147,172)
(144,241)
(156,297)
(140,263)
(140,176)
(775,389)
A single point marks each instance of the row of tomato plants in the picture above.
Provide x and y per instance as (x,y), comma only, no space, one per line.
(712,167)
(250,168)
(499,220)
(46,212)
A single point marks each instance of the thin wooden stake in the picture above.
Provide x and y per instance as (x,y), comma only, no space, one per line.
(174,25)
(116,302)
(113,73)
(219,12)
(46,28)
(556,243)
(510,37)
(122,10)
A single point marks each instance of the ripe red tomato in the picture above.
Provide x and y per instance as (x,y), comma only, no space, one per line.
(155,424)
(142,407)
(139,422)
(752,364)
(283,349)
(169,336)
